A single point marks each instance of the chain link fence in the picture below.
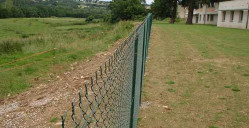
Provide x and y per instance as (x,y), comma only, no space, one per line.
(113,95)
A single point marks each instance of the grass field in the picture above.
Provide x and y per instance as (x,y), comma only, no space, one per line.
(34,50)
(197,77)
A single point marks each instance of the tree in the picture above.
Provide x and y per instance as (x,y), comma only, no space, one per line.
(126,10)
(32,12)
(191,4)
(190,11)
(174,10)
(42,11)
(16,12)
(20,3)
(47,8)
(143,1)
(4,13)
(161,9)
(8,4)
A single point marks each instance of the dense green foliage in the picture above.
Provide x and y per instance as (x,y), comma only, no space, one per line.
(89,19)
(126,10)
(185,3)
(41,8)
(162,9)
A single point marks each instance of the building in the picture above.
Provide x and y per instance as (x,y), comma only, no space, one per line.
(206,14)
(231,14)
(182,12)
(234,14)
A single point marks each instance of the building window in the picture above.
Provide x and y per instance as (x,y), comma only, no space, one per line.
(232,16)
(212,18)
(200,18)
(208,17)
(241,14)
(224,16)
(204,17)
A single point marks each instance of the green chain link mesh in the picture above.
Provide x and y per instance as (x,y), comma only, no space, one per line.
(113,96)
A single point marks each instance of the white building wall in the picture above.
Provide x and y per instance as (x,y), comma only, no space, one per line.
(233,5)
(202,14)
(236,6)
(208,21)
(236,23)
(214,22)
(193,20)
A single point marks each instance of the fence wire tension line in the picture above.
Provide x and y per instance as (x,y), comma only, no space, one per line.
(113,95)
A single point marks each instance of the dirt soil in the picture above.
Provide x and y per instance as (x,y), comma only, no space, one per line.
(38,105)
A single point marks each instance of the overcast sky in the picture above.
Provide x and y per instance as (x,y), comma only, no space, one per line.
(149,1)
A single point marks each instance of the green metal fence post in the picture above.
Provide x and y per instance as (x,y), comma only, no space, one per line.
(143,62)
(134,83)
(147,36)
(150,21)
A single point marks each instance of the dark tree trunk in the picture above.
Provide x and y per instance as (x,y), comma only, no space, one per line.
(173,18)
(190,11)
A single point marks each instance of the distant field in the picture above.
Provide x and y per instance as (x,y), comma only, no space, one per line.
(33,48)
(197,77)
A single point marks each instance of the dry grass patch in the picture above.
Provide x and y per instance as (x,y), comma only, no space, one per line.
(204,69)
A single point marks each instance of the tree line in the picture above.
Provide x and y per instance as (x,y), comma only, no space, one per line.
(47,8)
(117,10)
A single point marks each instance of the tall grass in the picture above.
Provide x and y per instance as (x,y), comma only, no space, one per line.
(8,47)
(24,62)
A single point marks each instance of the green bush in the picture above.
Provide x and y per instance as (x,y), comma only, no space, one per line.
(126,10)
(107,18)
(89,19)
(139,17)
(161,9)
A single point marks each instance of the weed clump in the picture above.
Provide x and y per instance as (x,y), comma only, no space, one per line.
(236,89)
(54,119)
(245,74)
(8,47)
(170,82)
(228,86)
(171,90)
(213,127)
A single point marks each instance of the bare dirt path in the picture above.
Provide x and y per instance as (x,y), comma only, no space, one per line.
(183,89)
(37,106)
